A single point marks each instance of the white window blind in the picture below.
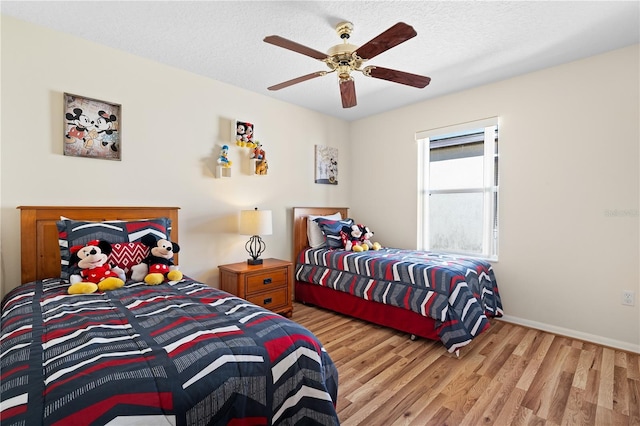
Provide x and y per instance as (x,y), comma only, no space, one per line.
(458,184)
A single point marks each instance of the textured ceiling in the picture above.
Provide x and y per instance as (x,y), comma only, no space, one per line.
(459,44)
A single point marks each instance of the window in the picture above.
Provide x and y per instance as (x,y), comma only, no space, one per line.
(458,184)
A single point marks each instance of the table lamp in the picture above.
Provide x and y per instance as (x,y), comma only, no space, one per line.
(255,223)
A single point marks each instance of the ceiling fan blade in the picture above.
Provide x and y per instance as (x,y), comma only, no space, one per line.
(297,80)
(348,93)
(396,76)
(296,47)
(395,35)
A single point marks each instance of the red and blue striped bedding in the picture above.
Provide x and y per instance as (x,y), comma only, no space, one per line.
(181,354)
(459,293)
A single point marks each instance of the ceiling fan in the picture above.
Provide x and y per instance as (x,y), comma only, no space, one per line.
(345,58)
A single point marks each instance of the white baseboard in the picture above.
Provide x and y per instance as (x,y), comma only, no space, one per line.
(617,344)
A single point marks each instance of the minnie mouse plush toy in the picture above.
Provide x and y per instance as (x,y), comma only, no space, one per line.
(95,271)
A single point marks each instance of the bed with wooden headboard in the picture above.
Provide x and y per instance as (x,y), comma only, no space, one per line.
(179,352)
(405,299)
(40,253)
(368,310)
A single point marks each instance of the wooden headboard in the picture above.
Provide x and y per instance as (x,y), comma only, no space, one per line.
(40,254)
(300,224)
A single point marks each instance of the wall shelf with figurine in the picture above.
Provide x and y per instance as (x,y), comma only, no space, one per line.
(223,169)
(244,138)
(258,167)
(258,158)
(223,172)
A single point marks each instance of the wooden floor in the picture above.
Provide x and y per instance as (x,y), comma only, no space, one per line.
(510,375)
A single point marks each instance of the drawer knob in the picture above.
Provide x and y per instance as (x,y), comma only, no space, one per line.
(266,281)
(267,301)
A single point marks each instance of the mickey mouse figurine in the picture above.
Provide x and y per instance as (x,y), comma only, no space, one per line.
(95,271)
(240,131)
(159,262)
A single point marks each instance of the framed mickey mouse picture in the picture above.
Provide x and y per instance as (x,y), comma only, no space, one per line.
(92,128)
(326,165)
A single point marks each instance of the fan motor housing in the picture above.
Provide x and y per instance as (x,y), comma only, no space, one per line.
(342,49)
(342,58)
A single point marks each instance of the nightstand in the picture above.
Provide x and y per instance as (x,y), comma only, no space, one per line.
(267,285)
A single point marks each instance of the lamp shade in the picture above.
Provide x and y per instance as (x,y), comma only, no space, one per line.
(255,222)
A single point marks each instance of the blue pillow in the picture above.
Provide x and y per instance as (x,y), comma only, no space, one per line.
(74,232)
(331,230)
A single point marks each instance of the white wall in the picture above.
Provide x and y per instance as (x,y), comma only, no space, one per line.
(569,143)
(569,190)
(173,123)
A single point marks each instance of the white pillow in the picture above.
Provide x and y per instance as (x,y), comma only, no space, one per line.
(314,233)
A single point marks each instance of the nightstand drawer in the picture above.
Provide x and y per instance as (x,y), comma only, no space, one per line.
(266,281)
(271,300)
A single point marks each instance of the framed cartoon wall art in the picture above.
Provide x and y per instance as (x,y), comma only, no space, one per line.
(244,134)
(92,128)
(326,165)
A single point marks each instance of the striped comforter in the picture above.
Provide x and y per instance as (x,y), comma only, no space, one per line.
(179,354)
(459,293)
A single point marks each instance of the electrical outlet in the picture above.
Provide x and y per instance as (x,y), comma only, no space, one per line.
(628,297)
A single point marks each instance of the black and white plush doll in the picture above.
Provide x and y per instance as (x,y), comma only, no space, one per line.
(96,273)
(366,235)
(159,263)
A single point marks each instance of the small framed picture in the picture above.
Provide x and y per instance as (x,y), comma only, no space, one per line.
(244,131)
(326,165)
(92,128)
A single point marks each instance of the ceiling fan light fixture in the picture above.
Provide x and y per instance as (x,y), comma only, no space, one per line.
(346,57)
(344,73)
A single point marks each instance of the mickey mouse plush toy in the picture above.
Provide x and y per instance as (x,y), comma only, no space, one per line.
(95,271)
(159,263)
(351,238)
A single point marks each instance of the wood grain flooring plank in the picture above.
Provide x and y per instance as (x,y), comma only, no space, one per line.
(604,416)
(526,345)
(469,400)
(465,376)
(633,367)
(634,401)
(593,384)
(620,390)
(404,393)
(578,411)
(554,368)
(543,383)
(511,410)
(605,388)
(583,365)
(535,361)
(479,413)
(434,413)
(523,417)
(560,397)
(621,359)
